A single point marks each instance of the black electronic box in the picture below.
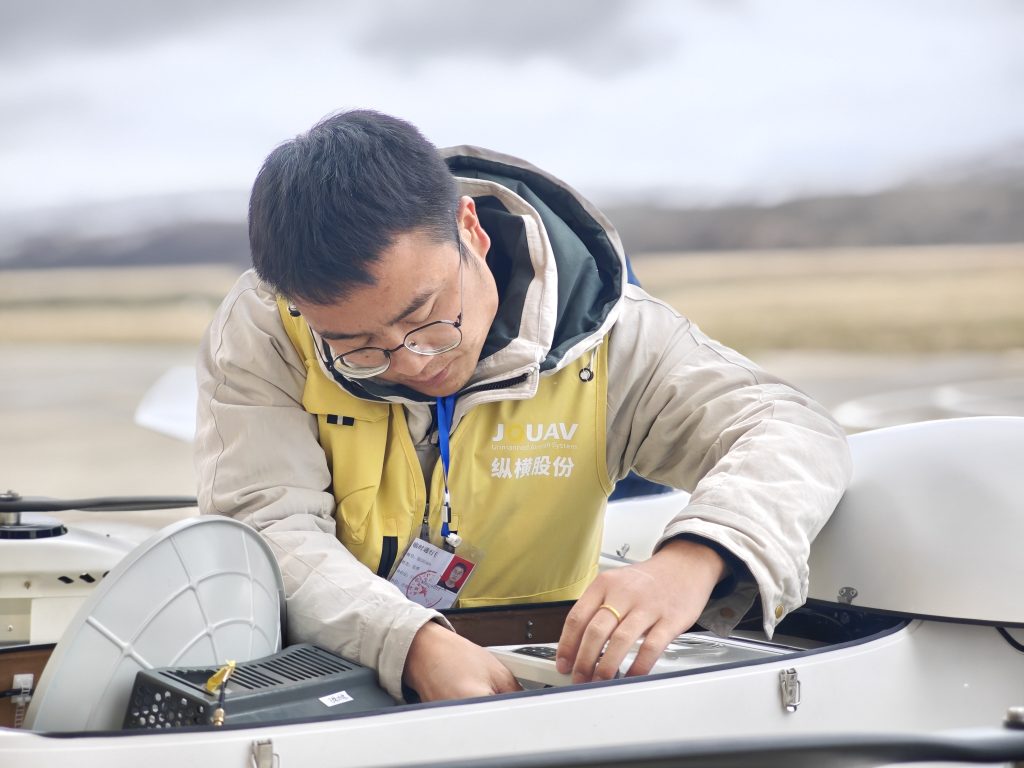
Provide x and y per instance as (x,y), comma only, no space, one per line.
(299,682)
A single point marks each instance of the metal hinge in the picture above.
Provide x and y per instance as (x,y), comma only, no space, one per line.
(263,755)
(23,684)
(790,685)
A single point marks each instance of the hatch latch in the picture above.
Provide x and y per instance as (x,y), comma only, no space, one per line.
(263,754)
(790,685)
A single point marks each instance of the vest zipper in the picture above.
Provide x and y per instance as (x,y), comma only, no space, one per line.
(425,525)
(388,553)
(495,385)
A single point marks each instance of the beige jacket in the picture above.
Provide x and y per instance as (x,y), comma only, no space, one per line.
(765,464)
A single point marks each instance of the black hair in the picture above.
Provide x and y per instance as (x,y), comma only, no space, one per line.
(326,204)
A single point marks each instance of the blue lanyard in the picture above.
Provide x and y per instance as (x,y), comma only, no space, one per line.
(445,411)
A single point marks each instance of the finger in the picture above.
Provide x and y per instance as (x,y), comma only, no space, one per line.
(653,646)
(503,681)
(507,685)
(576,622)
(503,685)
(594,638)
(622,640)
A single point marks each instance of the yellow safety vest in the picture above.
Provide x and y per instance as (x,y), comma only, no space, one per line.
(528,480)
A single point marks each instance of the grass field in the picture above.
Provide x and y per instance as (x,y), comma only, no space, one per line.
(874,300)
(936,299)
(159,304)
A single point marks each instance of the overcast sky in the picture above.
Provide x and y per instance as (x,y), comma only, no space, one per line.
(706,101)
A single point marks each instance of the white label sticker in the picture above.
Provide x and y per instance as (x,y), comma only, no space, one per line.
(335,698)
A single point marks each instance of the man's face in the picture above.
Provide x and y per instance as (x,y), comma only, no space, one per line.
(417,282)
(456,573)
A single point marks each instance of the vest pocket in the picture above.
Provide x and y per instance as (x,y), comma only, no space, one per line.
(372,464)
(353,516)
(355,450)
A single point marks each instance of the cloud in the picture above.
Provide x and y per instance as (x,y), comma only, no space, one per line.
(40,28)
(601,37)
(749,98)
(597,36)
(37,112)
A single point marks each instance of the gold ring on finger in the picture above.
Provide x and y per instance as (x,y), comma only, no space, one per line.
(614,611)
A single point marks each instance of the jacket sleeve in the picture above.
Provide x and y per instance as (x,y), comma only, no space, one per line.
(765,464)
(258,460)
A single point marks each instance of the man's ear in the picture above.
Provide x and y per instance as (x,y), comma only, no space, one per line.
(470,229)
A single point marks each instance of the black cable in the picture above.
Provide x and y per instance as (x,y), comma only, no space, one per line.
(103,504)
(1015,644)
(219,715)
(223,694)
(16,692)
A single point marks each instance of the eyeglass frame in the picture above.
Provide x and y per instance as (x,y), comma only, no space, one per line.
(337,364)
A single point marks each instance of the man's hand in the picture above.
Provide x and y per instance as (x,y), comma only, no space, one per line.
(443,665)
(659,598)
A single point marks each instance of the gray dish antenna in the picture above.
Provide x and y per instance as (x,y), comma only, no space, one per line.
(198,593)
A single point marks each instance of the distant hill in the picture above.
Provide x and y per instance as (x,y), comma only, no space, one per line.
(190,242)
(991,212)
(986,209)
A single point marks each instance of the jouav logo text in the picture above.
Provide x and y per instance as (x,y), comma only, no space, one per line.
(534,433)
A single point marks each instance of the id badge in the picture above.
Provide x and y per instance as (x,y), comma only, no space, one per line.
(431,576)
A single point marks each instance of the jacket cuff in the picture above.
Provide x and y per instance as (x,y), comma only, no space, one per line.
(735,569)
(781,590)
(733,596)
(722,615)
(395,650)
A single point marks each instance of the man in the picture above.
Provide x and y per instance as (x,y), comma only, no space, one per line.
(387,280)
(453,580)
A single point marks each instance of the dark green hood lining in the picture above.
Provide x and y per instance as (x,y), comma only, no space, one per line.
(590,272)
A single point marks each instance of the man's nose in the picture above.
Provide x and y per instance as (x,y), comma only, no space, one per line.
(407,363)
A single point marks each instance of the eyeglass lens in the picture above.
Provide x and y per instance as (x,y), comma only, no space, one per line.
(431,339)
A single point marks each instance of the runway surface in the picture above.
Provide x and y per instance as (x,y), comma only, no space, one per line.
(67,429)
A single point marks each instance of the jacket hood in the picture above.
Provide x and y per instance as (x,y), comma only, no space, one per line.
(587,254)
(556,259)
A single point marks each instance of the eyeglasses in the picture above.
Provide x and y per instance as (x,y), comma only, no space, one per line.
(434,338)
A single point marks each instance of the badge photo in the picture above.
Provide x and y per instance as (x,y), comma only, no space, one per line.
(455,575)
